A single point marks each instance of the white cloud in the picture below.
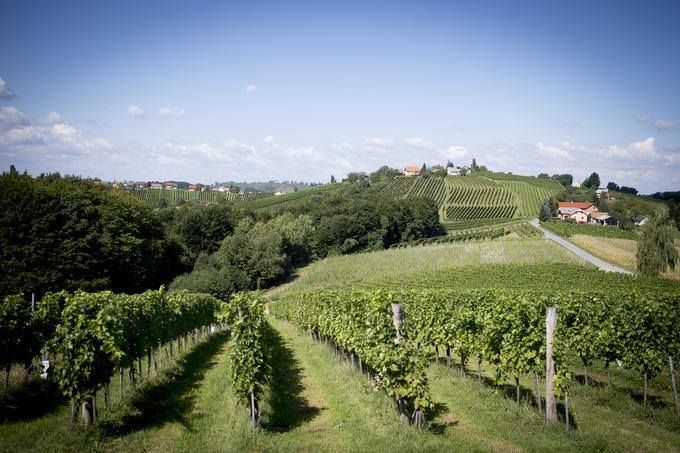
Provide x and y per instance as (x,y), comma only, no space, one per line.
(269,140)
(560,151)
(418,142)
(642,150)
(11,117)
(64,131)
(51,118)
(251,89)
(378,142)
(663,125)
(170,112)
(454,152)
(5,92)
(659,124)
(308,152)
(136,111)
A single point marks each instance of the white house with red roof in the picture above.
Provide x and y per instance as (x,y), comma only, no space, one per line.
(411,171)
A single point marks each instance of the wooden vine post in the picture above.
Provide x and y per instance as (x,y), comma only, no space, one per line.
(398,321)
(674,386)
(550,402)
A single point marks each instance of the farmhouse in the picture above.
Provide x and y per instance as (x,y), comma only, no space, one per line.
(156,185)
(457,171)
(170,185)
(570,209)
(411,171)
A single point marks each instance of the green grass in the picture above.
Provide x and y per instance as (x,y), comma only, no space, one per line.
(290,199)
(402,263)
(567,229)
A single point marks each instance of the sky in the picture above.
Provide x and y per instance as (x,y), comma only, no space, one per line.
(217,91)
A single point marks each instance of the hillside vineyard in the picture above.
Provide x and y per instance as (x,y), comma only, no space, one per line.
(478,197)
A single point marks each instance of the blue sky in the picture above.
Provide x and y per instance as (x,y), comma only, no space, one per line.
(208,91)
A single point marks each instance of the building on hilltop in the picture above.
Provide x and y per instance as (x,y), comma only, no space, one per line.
(411,171)
(457,171)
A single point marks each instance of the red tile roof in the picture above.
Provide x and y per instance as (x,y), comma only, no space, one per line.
(412,169)
(574,204)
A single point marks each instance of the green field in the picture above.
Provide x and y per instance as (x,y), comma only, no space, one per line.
(174,196)
(482,197)
(568,229)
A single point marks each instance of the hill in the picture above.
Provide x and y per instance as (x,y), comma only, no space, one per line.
(175,196)
(483,197)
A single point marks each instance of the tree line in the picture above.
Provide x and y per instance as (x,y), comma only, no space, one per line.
(68,233)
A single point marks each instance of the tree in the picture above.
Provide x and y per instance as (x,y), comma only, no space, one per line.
(332,179)
(383,174)
(674,212)
(629,190)
(566,179)
(592,181)
(474,166)
(544,214)
(612,186)
(655,248)
(544,176)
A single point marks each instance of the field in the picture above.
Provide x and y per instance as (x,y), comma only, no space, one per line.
(316,401)
(618,251)
(174,196)
(508,263)
(482,198)
(290,199)
(568,229)
(402,263)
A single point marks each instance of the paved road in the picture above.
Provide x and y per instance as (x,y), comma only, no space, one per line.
(580,252)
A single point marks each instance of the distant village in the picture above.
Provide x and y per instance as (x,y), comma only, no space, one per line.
(236,188)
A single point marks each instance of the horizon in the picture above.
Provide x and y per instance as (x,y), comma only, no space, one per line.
(299,92)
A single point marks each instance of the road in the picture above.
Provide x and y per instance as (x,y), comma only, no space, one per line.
(603,265)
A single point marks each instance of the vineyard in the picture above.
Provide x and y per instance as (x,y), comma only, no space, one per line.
(506,328)
(568,229)
(174,196)
(93,339)
(517,229)
(487,198)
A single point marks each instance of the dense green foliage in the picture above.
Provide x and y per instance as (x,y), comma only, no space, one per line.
(655,248)
(506,327)
(25,331)
(66,233)
(361,323)
(100,332)
(592,181)
(250,357)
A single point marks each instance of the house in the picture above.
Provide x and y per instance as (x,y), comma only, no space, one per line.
(567,209)
(193,187)
(411,171)
(602,218)
(169,185)
(156,185)
(640,220)
(457,171)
